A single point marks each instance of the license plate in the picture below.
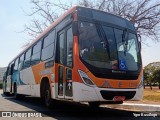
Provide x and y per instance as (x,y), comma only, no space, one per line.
(119,98)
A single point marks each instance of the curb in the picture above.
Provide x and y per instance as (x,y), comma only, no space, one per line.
(136,107)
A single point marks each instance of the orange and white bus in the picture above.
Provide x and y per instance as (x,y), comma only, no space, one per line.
(86,55)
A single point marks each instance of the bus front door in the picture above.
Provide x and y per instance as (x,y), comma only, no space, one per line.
(64,68)
(9,78)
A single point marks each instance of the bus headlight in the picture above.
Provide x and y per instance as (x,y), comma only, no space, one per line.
(141,83)
(86,79)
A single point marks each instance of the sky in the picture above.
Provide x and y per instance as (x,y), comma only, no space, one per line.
(13,19)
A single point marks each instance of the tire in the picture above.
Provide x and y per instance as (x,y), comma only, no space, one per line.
(119,102)
(94,104)
(4,93)
(47,96)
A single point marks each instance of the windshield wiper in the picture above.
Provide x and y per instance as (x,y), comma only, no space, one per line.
(125,40)
(104,37)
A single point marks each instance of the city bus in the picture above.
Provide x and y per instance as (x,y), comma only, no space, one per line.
(86,55)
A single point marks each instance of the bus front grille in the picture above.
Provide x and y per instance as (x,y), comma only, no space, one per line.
(109,95)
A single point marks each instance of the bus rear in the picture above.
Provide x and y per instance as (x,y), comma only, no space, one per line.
(107,61)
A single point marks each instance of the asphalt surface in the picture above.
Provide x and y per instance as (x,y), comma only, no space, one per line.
(29,107)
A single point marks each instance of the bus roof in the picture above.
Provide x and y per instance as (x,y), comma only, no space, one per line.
(105,17)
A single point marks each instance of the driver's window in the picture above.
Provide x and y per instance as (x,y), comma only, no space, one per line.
(132,46)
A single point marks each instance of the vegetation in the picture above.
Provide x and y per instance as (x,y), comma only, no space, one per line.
(152,74)
(144,14)
(151,95)
(156,76)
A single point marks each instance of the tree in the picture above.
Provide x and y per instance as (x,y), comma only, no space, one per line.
(156,76)
(152,73)
(43,13)
(144,14)
(148,75)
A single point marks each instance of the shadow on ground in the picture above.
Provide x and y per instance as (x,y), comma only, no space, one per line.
(68,110)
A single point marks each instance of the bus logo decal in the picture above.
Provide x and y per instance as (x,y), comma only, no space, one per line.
(107,85)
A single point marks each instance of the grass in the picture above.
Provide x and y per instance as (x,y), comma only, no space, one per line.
(151,95)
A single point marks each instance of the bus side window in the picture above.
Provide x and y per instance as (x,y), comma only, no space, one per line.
(21,61)
(27,58)
(48,46)
(16,65)
(36,56)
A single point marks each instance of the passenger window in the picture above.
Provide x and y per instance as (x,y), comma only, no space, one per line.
(27,58)
(37,47)
(16,64)
(36,53)
(48,46)
(49,39)
(28,54)
(21,61)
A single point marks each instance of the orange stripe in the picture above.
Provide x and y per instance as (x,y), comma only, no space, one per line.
(36,72)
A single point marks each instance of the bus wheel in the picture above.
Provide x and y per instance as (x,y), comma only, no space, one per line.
(119,102)
(47,96)
(94,104)
(4,93)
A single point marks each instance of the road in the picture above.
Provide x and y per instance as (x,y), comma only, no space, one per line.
(66,110)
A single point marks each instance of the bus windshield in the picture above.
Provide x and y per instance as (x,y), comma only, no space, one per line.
(107,47)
